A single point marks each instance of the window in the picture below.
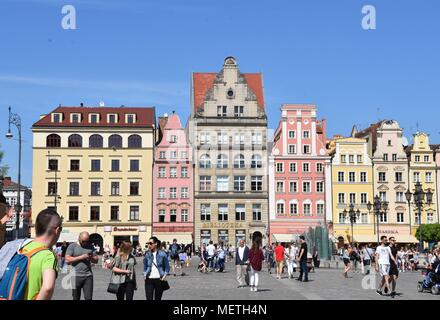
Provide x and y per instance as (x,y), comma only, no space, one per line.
(134,188)
(257,183)
(205,161)
(115,165)
(74,213)
(389,143)
(222,183)
(430,217)
(319,167)
(131,118)
(184,194)
(184,172)
(74,165)
(115,141)
(135,141)
(239,138)
(417,158)
(184,215)
(173,193)
(306,134)
(343,158)
(382,177)
(239,183)
(306,187)
(256,161)
(256,212)
(240,212)
(364,198)
(352,198)
(383,217)
(428,177)
(95,188)
(239,162)
(359,159)
(307,209)
(134,165)
(394,157)
(94,118)
(257,138)
(280,208)
(173,154)
(280,186)
(320,187)
(75,118)
(53,141)
(399,176)
(173,138)
(292,149)
(162,172)
(291,134)
(222,212)
(114,213)
(400,217)
(416,176)
(383,196)
(385,157)
(74,189)
(417,218)
(183,155)
(95,141)
(352,177)
(173,215)
(351,158)
(161,215)
(400,197)
(222,138)
(205,212)
(111,118)
(221,111)
(222,161)
(292,167)
(238,111)
(426,159)
(94,213)
(173,172)
(280,167)
(53,164)
(341,177)
(293,209)
(56,117)
(320,209)
(52,188)
(205,183)
(134,213)
(363,177)
(341,218)
(341,198)
(306,167)
(95,165)
(293,186)
(306,149)
(162,155)
(205,138)
(114,188)
(162,194)
(74,141)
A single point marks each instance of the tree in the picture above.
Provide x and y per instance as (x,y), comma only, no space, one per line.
(429,232)
(3,169)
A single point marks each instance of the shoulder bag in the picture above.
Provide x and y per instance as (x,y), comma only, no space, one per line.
(164,283)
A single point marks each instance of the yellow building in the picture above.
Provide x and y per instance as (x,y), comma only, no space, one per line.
(94,165)
(352,183)
(422,168)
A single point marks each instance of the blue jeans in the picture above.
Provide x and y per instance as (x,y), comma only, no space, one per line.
(221,264)
(429,280)
(303,270)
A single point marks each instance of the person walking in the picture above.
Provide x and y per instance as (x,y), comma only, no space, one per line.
(394,270)
(241,263)
(279,259)
(64,247)
(175,261)
(291,254)
(156,268)
(383,258)
(367,257)
(81,255)
(210,249)
(221,255)
(256,258)
(303,260)
(123,272)
(269,257)
(346,254)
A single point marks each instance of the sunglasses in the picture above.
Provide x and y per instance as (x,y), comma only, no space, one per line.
(150,243)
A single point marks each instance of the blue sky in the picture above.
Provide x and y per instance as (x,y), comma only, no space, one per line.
(142,52)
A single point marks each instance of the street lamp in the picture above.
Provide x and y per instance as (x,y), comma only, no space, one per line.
(352,214)
(380,207)
(16,120)
(419,201)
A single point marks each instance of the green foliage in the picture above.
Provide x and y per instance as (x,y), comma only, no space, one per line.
(3,169)
(429,232)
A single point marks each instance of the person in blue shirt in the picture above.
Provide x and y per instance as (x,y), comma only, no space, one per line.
(156,268)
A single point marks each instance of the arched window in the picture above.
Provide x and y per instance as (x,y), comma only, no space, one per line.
(134,141)
(95,141)
(222,161)
(115,141)
(256,161)
(75,141)
(205,161)
(53,141)
(239,161)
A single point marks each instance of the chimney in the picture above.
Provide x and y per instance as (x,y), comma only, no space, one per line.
(81,104)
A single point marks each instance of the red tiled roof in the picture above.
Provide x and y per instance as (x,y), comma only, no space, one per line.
(145,117)
(202,82)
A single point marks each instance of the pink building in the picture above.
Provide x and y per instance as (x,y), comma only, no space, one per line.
(299,174)
(173,183)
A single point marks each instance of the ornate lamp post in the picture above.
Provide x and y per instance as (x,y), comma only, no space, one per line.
(419,201)
(353,216)
(16,120)
(380,207)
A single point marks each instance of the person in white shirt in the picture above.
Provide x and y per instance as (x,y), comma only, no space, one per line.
(383,264)
(211,252)
(291,253)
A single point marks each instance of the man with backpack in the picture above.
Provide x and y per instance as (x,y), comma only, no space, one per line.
(175,250)
(28,268)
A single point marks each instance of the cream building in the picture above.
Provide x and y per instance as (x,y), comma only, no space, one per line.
(228,132)
(94,165)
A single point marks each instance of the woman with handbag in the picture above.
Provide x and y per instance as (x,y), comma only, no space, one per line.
(123,281)
(156,268)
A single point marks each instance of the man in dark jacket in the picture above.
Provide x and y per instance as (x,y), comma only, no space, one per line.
(241,262)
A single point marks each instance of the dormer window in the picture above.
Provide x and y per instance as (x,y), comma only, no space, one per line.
(94,118)
(75,118)
(57,117)
(112,118)
(173,139)
(130,118)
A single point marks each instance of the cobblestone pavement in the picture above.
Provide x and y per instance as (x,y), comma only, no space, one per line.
(327,284)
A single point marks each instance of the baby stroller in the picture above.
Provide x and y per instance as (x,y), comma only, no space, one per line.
(430,282)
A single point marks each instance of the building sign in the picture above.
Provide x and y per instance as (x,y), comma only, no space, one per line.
(124,229)
(222,225)
(107,229)
(389,231)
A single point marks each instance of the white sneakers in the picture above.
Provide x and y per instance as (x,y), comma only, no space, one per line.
(254,289)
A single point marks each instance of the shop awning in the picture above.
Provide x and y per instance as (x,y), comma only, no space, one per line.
(185,238)
(372,238)
(68,237)
(279,237)
(405,238)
